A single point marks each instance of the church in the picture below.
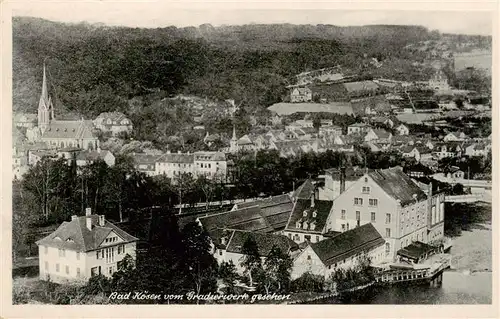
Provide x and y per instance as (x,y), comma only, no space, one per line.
(59,133)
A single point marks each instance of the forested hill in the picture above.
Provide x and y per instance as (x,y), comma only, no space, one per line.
(96,68)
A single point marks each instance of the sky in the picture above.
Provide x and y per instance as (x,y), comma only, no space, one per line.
(153,14)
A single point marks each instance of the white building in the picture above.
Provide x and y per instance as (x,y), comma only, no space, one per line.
(84,247)
(114,122)
(341,251)
(208,164)
(402,130)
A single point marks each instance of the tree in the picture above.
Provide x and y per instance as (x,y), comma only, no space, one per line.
(197,259)
(207,186)
(183,185)
(227,273)
(251,259)
(278,266)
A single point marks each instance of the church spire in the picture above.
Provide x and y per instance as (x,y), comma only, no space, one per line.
(45,93)
(45,108)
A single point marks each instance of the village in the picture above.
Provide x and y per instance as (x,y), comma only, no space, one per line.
(348,215)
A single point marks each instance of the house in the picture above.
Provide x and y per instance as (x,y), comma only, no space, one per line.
(114,122)
(209,164)
(174,164)
(402,130)
(301,94)
(391,201)
(337,180)
(230,246)
(420,153)
(145,163)
(341,251)
(358,128)
(383,120)
(212,165)
(478,149)
(379,135)
(303,123)
(330,130)
(454,173)
(86,246)
(455,137)
(86,157)
(27,120)
(450,149)
(418,170)
(276,120)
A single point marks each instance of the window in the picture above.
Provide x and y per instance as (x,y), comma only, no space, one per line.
(358,215)
(308,257)
(110,270)
(46,249)
(358,201)
(307,237)
(46,265)
(97,254)
(347,226)
(342,214)
(57,267)
(387,218)
(78,271)
(343,227)
(387,249)
(387,232)
(67,270)
(94,271)
(366,179)
(373,202)
(372,217)
(77,255)
(366,190)
(220,252)
(62,253)
(317,238)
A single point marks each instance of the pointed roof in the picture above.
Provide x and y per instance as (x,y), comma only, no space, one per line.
(304,191)
(45,93)
(397,185)
(75,235)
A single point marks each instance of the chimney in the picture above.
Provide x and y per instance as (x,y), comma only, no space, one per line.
(313,195)
(168,152)
(342,179)
(101,220)
(223,240)
(88,211)
(73,217)
(88,222)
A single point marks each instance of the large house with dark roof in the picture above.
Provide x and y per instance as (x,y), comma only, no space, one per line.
(396,206)
(114,122)
(84,247)
(341,251)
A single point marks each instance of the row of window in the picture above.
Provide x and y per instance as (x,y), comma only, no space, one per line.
(111,240)
(373,216)
(358,201)
(109,253)
(94,271)
(58,269)
(307,238)
(61,252)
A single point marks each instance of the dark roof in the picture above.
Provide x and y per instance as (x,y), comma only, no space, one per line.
(397,185)
(249,218)
(381,133)
(175,158)
(143,158)
(348,244)
(304,191)
(276,209)
(265,242)
(321,208)
(415,250)
(75,235)
(92,155)
(70,129)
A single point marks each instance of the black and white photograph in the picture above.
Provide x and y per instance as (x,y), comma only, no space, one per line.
(164,155)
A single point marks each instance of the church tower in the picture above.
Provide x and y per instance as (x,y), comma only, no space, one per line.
(45,107)
(233,146)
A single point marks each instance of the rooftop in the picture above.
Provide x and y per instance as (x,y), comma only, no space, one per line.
(265,242)
(398,185)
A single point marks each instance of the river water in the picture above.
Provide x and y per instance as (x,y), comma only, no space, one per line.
(470,283)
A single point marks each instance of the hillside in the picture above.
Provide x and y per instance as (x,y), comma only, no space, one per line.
(96,68)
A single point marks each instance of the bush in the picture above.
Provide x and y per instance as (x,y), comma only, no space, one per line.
(308,283)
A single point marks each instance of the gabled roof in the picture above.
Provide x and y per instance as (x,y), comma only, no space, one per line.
(175,158)
(347,244)
(397,185)
(209,156)
(265,242)
(276,209)
(321,208)
(143,158)
(380,133)
(75,235)
(114,116)
(92,155)
(351,173)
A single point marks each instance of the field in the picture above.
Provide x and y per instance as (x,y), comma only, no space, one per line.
(477,59)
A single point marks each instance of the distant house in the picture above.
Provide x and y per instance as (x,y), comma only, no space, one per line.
(330,130)
(378,135)
(454,172)
(358,128)
(145,163)
(27,120)
(477,149)
(86,246)
(455,137)
(341,251)
(303,94)
(84,158)
(402,130)
(276,120)
(451,149)
(114,122)
(420,153)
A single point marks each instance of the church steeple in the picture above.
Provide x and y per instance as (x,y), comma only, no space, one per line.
(45,107)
